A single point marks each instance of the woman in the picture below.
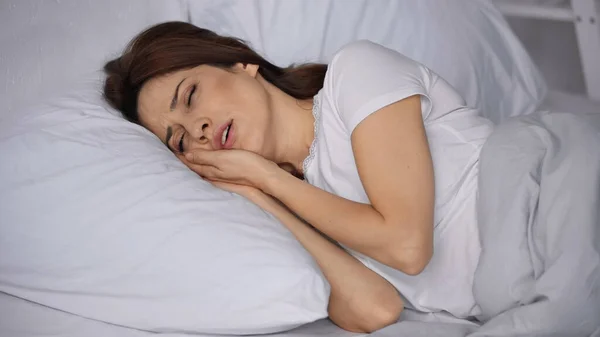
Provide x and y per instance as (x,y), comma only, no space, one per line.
(385,166)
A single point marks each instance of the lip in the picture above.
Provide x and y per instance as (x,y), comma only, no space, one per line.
(218,135)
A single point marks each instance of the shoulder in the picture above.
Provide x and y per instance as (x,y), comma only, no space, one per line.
(366,53)
(364,62)
(364,76)
(358,47)
(358,52)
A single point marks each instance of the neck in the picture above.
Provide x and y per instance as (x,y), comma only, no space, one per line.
(295,136)
(293,129)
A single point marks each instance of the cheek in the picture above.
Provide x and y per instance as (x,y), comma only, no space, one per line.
(256,135)
(246,101)
(258,112)
(249,95)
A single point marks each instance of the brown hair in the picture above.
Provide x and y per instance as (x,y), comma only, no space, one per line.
(173,46)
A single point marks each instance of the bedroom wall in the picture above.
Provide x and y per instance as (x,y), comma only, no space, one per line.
(36,34)
(553,47)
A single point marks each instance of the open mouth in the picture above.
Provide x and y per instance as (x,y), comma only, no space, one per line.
(225,135)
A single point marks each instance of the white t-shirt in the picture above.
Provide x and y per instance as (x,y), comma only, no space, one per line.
(364,77)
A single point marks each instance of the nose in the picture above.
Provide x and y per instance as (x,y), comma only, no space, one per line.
(202,131)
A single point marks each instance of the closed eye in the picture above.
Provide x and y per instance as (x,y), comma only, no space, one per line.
(180,143)
(189,100)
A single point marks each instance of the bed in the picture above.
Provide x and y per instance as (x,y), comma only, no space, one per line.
(42,259)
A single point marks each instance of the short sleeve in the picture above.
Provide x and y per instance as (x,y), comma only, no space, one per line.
(364,77)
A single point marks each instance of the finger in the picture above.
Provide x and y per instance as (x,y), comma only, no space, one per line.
(206,171)
(192,166)
(225,186)
(216,181)
(201,157)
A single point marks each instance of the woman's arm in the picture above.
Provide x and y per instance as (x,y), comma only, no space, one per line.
(394,163)
(395,167)
(360,300)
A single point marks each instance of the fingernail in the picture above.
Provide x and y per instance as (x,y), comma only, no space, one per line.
(189,156)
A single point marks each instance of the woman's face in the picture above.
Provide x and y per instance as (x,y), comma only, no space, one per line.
(208,108)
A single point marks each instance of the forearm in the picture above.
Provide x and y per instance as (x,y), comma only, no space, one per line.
(356,225)
(360,300)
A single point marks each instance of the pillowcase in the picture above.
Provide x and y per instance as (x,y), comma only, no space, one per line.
(99,219)
(466,42)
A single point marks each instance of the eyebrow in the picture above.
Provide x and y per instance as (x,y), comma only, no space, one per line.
(175,95)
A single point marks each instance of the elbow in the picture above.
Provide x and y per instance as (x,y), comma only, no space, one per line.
(411,261)
(416,265)
(382,315)
(369,314)
(387,315)
(415,268)
(408,249)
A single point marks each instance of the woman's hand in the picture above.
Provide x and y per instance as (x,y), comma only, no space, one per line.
(232,166)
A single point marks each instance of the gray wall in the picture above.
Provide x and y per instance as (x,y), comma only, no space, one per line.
(553,47)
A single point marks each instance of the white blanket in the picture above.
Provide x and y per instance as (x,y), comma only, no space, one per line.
(539,214)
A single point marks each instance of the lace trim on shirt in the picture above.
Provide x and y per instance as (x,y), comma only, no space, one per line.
(316,111)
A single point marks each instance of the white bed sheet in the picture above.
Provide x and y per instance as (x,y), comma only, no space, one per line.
(20,318)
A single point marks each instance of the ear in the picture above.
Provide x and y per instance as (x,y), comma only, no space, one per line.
(250,69)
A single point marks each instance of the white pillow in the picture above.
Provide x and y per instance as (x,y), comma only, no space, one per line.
(467,42)
(99,219)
